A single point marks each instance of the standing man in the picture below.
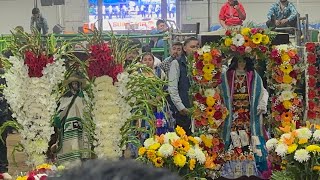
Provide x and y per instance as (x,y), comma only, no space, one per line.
(175,53)
(38,22)
(231,14)
(282,14)
(3,118)
(179,84)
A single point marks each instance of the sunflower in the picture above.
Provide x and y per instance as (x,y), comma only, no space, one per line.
(185,146)
(158,162)
(287,116)
(287,79)
(228,42)
(257,38)
(210,111)
(286,68)
(245,31)
(287,104)
(151,154)
(141,151)
(210,101)
(265,39)
(179,160)
(180,131)
(207,57)
(208,76)
(208,68)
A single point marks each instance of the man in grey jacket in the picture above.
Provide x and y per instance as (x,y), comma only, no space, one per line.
(38,22)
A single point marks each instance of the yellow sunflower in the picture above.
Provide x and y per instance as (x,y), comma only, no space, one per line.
(228,42)
(245,31)
(208,76)
(286,68)
(141,151)
(158,162)
(208,68)
(265,39)
(257,38)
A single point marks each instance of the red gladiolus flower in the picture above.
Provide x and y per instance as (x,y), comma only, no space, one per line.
(312,82)
(311,58)
(310,47)
(312,70)
(311,94)
(311,115)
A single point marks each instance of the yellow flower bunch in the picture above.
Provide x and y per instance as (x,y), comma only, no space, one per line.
(173,150)
(44,166)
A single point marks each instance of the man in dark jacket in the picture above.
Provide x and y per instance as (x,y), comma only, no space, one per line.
(3,118)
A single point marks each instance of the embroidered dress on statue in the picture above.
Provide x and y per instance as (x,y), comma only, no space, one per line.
(243,135)
(73,143)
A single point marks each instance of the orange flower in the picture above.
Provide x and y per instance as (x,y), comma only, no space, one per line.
(215,52)
(176,143)
(210,111)
(285,129)
(247,41)
(160,138)
(287,116)
(214,155)
(209,164)
(291,53)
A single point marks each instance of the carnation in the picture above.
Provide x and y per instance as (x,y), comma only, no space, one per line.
(304,133)
(301,155)
(209,92)
(281,149)
(170,136)
(316,135)
(166,150)
(200,156)
(271,144)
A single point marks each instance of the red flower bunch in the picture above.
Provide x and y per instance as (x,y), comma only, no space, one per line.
(36,63)
(101,62)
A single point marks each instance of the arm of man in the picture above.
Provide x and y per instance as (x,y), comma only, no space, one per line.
(45,26)
(241,11)
(293,11)
(174,75)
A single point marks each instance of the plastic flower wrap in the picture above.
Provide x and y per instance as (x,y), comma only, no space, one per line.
(313,80)
(300,152)
(250,42)
(177,152)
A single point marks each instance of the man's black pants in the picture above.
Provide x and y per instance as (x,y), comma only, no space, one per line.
(184,122)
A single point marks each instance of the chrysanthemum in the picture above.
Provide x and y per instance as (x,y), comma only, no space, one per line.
(166,150)
(316,135)
(304,133)
(271,144)
(301,155)
(281,150)
(238,40)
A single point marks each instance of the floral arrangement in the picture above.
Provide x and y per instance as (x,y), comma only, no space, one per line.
(300,152)
(284,72)
(177,152)
(313,80)
(33,76)
(245,41)
(42,172)
(209,112)
(110,112)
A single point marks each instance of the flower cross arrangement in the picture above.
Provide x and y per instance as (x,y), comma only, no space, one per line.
(245,41)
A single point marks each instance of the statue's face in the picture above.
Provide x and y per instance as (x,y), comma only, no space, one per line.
(75,85)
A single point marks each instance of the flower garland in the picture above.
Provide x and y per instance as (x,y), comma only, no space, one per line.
(209,112)
(300,152)
(284,73)
(110,112)
(246,42)
(313,81)
(30,94)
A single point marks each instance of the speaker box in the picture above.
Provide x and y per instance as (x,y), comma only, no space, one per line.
(58,2)
(46,2)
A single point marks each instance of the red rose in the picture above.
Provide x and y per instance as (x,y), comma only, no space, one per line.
(312,82)
(312,115)
(280,108)
(241,49)
(312,70)
(278,60)
(31,178)
(310,47)
(311,94)
(311,105)
(311,58)
(274,53)
(217,115)
(228,33)
(199,65)
(293,74)
(200,98)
